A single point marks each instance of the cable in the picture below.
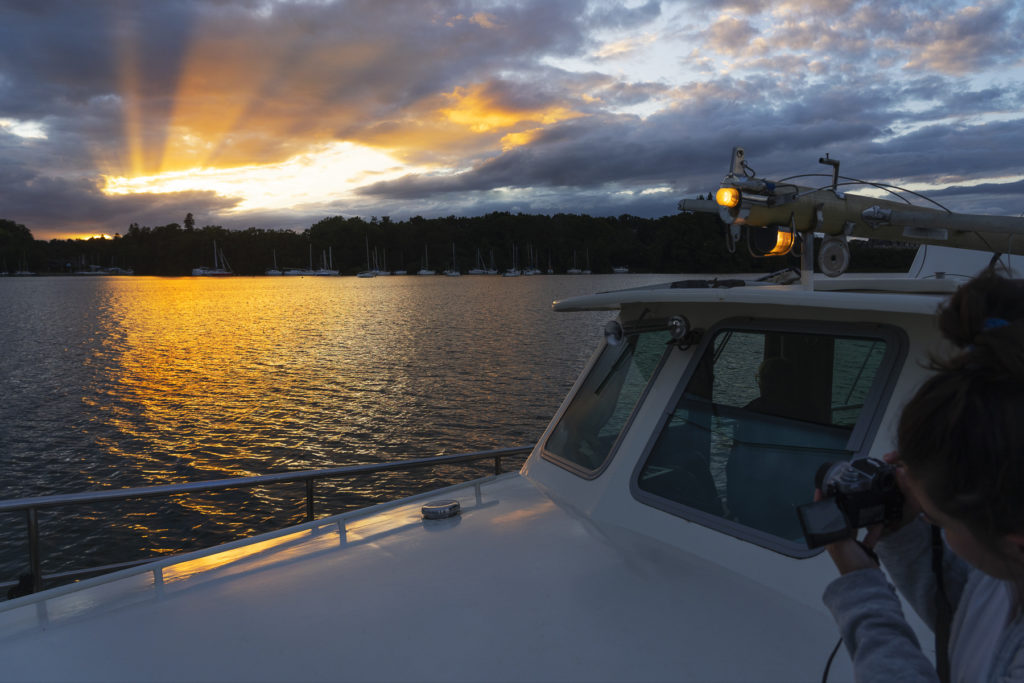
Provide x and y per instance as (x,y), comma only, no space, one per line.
(856,181)
(828,664)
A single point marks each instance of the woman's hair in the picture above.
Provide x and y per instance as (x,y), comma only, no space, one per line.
(962,434)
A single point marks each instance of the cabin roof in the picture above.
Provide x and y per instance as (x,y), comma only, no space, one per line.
(517,587)
(894,295)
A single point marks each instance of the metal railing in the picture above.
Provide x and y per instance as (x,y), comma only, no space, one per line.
(32,506)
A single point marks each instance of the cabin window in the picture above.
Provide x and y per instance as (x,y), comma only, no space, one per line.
(760,412)
(584,436)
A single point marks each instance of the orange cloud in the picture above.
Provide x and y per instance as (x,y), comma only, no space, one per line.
(476,109)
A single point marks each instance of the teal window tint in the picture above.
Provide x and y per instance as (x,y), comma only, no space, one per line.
(760,414)
(588,429)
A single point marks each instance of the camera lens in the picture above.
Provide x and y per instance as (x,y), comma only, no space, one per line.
(821,474)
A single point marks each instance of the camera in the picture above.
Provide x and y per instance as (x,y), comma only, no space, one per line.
(857,494)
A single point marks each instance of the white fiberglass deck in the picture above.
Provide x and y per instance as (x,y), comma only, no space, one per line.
(515,588)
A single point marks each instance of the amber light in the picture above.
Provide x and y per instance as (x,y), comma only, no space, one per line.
(783,243)
(727,196)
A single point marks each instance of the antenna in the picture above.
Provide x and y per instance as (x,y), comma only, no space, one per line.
(834,163)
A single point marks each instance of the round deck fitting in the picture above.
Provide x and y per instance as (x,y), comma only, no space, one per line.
(441,509)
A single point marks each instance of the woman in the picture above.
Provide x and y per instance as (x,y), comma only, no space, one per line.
(961,467)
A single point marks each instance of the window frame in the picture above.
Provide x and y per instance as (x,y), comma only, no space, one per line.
(861,436)
(576,468)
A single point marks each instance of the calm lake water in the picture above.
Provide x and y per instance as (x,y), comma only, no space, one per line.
(113,382)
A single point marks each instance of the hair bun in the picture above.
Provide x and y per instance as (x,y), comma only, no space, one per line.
(999,348)
(985,318)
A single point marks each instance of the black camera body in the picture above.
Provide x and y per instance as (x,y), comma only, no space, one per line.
(857,494)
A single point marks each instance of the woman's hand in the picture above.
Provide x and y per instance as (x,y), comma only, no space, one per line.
(850,555)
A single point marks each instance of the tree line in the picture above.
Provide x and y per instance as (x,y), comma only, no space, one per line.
(681,243)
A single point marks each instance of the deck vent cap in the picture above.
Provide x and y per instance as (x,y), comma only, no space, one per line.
(441,509)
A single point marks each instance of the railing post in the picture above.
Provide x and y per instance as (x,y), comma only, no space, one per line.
(497,464)
(35,565)
(309,500)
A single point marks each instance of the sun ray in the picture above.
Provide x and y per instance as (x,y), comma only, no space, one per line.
(128,88)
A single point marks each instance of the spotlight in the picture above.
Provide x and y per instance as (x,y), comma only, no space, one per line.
(613,333)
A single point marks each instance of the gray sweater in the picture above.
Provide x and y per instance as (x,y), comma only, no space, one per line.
(882,645)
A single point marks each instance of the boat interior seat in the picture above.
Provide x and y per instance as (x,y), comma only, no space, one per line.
(678,469)
(771,469)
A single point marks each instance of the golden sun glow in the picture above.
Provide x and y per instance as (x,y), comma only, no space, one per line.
(229,129)
(473,108)
(322,175)
(519,139)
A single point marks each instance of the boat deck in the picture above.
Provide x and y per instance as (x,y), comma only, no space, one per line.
(564,598)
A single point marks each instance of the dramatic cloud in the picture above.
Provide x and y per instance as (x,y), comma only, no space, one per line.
(276,113)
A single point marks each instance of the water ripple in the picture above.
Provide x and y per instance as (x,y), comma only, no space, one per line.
(116,382)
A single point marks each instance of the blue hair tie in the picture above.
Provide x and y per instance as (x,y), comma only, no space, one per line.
(989,324)
(993,323)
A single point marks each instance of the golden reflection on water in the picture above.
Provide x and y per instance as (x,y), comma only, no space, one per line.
(140,381)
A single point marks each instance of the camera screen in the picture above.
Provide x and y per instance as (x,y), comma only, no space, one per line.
(823,522)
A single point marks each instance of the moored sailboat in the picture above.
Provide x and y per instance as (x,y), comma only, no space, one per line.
(274,270)
(370,271)
(425,270)
(220,265)
(453,271)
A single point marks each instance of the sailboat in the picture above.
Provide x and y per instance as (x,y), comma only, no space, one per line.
(478,269)
(370,271)
(303,271)
(275,270)
(220,265)
(586,271)
(425,270)
(531,261)
(23,270)
(514,270)
(326,263)
(574,270)
(454,270)
(380,267)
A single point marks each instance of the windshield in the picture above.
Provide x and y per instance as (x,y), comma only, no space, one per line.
(590,426)
(762,411)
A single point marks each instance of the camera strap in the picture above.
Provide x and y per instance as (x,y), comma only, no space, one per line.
(943,610)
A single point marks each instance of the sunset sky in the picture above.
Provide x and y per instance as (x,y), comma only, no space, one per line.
(276,114)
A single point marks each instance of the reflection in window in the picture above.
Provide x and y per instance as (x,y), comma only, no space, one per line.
(761,413)
(598,412)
